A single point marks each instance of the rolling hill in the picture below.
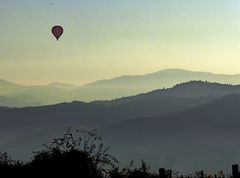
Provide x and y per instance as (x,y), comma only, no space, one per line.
(205,137)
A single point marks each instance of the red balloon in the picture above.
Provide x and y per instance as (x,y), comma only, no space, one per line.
(57,31)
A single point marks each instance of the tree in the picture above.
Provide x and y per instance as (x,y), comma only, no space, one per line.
(80,152)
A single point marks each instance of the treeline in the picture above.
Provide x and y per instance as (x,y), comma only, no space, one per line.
(82,154)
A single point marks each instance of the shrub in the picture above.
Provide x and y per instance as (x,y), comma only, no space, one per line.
(79,152)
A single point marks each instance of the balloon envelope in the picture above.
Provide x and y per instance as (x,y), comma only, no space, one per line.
(57,31)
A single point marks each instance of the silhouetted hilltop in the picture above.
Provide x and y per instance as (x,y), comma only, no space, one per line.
(191,89)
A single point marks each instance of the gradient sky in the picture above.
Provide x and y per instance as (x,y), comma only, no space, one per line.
(108,38)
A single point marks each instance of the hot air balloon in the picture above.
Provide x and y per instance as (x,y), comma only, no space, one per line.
(57,31)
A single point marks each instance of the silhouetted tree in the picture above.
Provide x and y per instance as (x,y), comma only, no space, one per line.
(8,166)
(76,153)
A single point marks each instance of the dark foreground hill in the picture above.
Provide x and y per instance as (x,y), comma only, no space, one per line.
(205,137)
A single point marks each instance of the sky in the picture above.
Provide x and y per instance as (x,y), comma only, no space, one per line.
(107,38)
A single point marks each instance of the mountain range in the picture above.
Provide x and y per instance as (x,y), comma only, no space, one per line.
(16,95)
(193,125)
(132,85)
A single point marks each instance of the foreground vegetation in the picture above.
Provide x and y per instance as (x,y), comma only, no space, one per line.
(82,154)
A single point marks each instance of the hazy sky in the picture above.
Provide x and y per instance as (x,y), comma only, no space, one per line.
(108,38)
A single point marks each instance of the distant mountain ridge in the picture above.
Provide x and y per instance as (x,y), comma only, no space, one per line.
(132,85)
(25,95)
(105,89)
(64,86)
(16,102)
